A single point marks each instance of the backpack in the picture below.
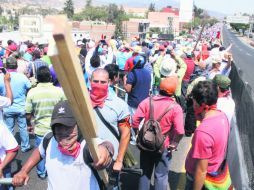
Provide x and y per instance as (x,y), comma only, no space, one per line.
(150,137)
(33,79)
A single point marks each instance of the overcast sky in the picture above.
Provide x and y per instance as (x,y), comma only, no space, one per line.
(222,6)
(227,6)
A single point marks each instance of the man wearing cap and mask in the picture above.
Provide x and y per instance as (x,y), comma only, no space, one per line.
(66,161)
(171,121)
(16,112)
(225,102)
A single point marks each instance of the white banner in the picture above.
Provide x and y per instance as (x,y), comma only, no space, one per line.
(238,19)
(31,25)
(186,11)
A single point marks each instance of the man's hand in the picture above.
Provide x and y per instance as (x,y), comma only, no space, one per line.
(230,57)
(104,158)
(118,165)
(20,179)
(7,77)
(172,54)
(124,79)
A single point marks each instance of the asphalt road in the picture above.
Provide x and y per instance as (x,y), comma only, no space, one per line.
(243,55)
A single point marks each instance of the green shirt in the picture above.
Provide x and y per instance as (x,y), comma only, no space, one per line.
(156,69)
(40,103)
(46,59)
(182,67)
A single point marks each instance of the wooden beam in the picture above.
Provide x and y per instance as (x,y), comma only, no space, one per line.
(199,36)
(70,76)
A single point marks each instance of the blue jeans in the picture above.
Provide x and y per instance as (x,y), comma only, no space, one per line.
(41,169)
(188,184)
(161,163)
(20,117)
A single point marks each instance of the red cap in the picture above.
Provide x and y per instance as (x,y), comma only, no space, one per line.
(45,49)
(162,48)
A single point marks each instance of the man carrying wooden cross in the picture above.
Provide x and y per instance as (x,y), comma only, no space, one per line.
(67,158)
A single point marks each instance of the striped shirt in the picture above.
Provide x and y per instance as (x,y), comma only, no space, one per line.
(37,64)
(40,102)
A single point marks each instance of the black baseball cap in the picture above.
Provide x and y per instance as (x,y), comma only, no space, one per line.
(62,114)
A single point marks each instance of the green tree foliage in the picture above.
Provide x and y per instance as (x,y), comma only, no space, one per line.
(155,30)
(240,27)
(69,8)
(109,14)
(88,3)
(1,11)
(151,7)
(198,12)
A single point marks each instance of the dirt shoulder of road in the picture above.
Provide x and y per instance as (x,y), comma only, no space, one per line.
(248,41)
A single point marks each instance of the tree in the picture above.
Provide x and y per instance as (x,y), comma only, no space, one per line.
(198,12)
(69,8)
(88,3)
(240,27)
(151,7)
(1,11)
(119,29)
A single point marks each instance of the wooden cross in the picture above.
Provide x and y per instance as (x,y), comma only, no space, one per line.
(71,78)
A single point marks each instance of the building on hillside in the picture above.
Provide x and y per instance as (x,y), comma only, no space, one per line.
(93,29)
(166,22)
(137,12)
(170,9)
(135,27)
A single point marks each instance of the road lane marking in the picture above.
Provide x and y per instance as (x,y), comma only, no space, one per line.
(240,49)
(182,178)
(248,54)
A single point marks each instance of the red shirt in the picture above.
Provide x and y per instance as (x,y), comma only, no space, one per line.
(129,63)
(205,52)
(190,68)
(209,142)
(174,118)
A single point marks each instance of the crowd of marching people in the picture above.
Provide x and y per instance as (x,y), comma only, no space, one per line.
(149,93)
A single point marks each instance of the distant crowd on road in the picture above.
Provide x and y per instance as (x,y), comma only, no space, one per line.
(147,93)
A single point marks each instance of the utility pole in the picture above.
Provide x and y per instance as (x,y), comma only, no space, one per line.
(250,28)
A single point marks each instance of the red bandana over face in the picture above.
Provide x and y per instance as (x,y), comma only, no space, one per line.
(74,153)
(98,94)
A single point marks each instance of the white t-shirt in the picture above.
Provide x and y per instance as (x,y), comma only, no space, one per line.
(4,102)
(226,105)
(66,172)
(7,141)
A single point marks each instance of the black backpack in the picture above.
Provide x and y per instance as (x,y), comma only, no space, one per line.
(150,137)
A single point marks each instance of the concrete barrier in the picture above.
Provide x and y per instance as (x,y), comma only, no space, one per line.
(241,147)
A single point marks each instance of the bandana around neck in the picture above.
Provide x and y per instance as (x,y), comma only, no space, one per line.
(74,153)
